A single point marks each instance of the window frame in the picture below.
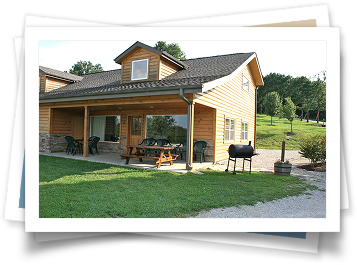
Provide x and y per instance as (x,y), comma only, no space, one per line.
(245,83)
(229,129)
(132,70)
(245,126)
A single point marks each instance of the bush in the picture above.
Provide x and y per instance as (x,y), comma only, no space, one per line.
(313,148)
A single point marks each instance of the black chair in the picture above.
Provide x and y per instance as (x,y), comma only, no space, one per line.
(71,145)
(147,142)
(181,148)
(199,149)
(92,144)
(162,142)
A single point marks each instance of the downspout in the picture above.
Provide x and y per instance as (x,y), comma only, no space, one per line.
(189,122)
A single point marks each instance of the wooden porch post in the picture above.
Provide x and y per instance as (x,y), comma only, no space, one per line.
(86,131)
(191,132)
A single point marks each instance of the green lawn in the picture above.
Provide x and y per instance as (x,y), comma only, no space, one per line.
(80,189)
(270,137)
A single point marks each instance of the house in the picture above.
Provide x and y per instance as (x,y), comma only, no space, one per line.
(212,98)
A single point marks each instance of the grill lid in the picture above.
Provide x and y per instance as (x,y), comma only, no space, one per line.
(240,151)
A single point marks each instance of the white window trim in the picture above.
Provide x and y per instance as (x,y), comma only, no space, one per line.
(229,130)
(247,81)
(246,125)
(132,69)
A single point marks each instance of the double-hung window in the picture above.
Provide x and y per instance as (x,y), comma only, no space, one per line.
(229,129)
(244,131)
(139,69)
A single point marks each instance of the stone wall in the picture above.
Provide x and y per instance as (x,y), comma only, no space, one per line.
(51,143)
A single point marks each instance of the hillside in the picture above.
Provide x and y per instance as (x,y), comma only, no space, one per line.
(270,137)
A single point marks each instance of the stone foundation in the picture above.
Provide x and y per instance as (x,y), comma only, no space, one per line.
(50,143)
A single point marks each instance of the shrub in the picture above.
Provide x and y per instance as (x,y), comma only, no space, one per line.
(313,148)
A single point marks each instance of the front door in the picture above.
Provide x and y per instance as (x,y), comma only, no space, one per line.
(134,136)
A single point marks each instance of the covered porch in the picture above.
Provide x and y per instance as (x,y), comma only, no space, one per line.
(179,166)
(130,115)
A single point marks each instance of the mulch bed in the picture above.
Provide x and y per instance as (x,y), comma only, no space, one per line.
(319,167)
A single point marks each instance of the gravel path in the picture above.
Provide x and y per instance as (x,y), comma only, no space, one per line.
(310,205)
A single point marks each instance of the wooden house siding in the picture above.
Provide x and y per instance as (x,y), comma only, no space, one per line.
(232,101)
(50,83)
(159,67)
(167,68)
(141,54)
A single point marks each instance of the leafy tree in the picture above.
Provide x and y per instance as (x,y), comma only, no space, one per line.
(177,134)
(172,48)
(85,67)
(272,105)
(159,126)
(288,111)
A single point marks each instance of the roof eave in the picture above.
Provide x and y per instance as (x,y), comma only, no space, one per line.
(126,93)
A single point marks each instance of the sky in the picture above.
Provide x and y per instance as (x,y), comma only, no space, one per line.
(294,58)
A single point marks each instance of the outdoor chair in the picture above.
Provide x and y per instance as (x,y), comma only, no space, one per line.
(148,142)
(199,149)
(162,142)
(71,145)
(181,148)
(92,144)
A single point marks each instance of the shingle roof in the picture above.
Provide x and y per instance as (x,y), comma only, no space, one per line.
(60,74)
(199,71)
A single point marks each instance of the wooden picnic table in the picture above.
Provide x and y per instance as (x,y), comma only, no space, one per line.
(143,151)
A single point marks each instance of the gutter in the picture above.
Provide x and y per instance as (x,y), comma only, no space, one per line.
(124,93)
(189,122)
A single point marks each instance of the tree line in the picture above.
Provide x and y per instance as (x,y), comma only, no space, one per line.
(307,94)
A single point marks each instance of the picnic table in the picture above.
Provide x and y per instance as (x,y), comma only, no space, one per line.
(142,151)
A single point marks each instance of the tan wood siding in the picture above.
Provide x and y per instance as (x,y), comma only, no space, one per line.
(232,101)
(44,114)
(141,54)
(167,68)
(53,83)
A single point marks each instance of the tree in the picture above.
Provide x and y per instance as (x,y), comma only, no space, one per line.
(85,67)
(272,105)
(172,48)
(288,111)
(159,126)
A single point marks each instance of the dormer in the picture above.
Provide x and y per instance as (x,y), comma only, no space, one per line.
(141,62)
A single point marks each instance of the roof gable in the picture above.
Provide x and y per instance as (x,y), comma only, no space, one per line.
(119,59)
(59,74)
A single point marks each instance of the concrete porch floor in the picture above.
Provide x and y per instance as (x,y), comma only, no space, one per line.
(179,166)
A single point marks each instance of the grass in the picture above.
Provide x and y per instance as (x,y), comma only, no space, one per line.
(270,137)
(80,189)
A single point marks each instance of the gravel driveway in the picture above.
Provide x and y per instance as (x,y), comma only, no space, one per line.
(310,205)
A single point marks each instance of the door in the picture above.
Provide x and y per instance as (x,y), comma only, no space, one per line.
(78,127)
(134,130)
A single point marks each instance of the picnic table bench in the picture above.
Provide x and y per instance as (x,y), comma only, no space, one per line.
(142,151)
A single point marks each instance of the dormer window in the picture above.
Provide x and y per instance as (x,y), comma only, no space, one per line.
(139,69)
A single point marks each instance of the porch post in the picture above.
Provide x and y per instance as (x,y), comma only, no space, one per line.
(86,131)
(192,119)
(189,146)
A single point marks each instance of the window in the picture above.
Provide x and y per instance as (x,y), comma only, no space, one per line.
(139,69)
(170,127)
(105,127)
(244,131)
(229,129)
(245,83)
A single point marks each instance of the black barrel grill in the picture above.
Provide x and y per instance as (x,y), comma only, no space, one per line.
(240,151)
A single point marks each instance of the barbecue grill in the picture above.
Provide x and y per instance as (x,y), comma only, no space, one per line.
(240,151)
